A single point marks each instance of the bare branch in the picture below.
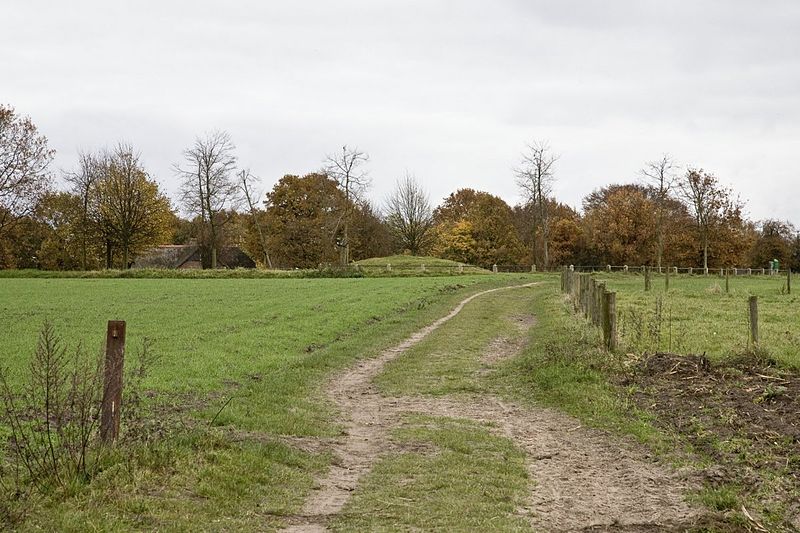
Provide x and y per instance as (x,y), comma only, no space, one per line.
(345,168)
(409,214)
(208,185)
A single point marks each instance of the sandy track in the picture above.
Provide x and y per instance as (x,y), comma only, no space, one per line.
(582,478)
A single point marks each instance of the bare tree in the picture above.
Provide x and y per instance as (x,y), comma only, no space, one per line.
(246,180)
(535,177)
(83,181)
(208,183)
(24,162)
(409,214)
(660,174)
(345,168)
(709,203)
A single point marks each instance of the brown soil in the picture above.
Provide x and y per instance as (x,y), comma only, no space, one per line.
(582,478)
(744,415)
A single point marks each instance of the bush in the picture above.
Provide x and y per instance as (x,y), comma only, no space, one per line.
(50,425)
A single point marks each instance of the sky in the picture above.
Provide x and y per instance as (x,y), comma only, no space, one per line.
(449,91)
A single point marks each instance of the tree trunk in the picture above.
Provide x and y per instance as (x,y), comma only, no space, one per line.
(346,256)
(109,264)
(261,237)
(84,224)
(546,254)
(660,249)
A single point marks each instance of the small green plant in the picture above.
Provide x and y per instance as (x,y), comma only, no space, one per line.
(770,393)
(644,331)
(723,498)
(52,420)
(51,423)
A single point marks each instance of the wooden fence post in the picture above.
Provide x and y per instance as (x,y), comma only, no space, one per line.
(582,299)
(666,279)
(788,281)
(754,320)
(494,268)
(727,281)
(112,385)
(646,279)
(598,304)
(610,320)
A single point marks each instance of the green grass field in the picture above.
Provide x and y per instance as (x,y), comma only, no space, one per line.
(262,348)
(265,345)
(697,316)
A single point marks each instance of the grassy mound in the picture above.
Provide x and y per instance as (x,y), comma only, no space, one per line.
(411,264)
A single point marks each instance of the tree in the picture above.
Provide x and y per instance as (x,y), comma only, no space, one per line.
(619,224)
(246,183)
(478,228)
(709,203)
(620,227)
(773,241)
(303,220)
(535,178)
(24,162)
(128,207)
(209,186)
(794,260)
(345,168)
(59,214)
(660,175)
(565,232)
(369,236)
(83,181)
(409,215)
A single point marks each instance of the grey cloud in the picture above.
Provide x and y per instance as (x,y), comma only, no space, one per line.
(448,90)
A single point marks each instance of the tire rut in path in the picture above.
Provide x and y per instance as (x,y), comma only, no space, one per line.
(582,478)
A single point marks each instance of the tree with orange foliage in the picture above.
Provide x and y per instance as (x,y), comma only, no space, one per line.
(712,206)
(476,227)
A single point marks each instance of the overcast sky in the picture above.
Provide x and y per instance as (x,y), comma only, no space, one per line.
(448,90)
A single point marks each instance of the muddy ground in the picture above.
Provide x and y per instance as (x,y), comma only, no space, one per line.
(742,417)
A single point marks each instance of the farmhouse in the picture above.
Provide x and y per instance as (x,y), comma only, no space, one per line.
(187,256)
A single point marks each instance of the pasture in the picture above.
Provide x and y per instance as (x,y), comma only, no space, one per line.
(258,347)
(697,316)
(467,424)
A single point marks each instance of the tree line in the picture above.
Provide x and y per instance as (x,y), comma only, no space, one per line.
(113,211)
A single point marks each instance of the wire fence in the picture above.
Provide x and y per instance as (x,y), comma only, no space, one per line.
(677,270)
(466,268)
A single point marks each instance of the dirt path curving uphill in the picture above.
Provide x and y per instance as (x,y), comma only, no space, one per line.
(582,478)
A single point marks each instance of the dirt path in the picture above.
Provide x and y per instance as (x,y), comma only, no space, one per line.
(582,478)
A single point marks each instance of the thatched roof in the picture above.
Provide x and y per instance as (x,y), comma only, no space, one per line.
(181,255)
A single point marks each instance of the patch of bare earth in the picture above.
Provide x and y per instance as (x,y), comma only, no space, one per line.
(743,414)
(582,479)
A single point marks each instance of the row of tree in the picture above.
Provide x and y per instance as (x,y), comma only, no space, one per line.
(113,211)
